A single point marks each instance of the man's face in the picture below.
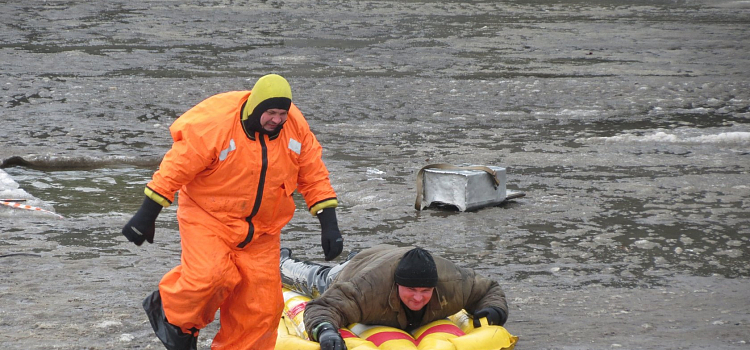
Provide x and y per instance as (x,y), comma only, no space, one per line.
(272,118)
(415,298)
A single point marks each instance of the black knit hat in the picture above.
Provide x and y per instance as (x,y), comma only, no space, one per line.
(416,269)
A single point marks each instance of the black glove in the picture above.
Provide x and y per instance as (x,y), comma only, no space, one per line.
(143,224)
(329,338)
(495,316)
(330,237)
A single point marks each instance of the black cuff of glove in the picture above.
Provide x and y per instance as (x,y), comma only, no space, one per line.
(149,208)
(503,316)
(330,236)
(329,337)
(320,328)
(327,218)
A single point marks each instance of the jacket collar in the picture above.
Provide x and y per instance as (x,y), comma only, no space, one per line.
(251,135)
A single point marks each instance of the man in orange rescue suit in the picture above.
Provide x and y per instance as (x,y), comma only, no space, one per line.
(236,159)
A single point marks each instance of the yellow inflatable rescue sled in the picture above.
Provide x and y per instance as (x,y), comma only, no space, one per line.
(455,333)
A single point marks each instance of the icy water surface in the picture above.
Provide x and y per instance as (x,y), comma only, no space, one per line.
(627,124)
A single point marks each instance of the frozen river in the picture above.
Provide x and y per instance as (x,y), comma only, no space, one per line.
(626,125)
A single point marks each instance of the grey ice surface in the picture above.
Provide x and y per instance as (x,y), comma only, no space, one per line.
(626,123)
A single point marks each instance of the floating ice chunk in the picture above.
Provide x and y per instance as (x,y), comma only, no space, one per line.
(680,136)
(645,244)
(29,206)
(579,112)
(735,137)
(8,187)
(89,189)
(108,323)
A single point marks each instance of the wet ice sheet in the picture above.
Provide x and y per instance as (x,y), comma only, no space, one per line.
(625,124)
(630,169)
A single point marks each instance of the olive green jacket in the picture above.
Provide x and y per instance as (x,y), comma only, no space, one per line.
(365,292)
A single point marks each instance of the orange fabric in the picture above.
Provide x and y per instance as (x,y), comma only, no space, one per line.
(226,189)
(217,169)
(244,283)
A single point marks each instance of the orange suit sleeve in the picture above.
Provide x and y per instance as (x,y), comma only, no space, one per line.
(188,156)
(313,182)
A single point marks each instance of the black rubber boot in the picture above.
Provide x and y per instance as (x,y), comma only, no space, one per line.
(303,277)
(169,334)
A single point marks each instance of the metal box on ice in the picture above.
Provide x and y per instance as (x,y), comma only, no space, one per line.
(464,189)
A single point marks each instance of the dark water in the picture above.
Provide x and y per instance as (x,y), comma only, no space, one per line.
(627,125)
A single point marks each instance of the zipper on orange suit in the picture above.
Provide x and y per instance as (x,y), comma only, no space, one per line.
(259,193)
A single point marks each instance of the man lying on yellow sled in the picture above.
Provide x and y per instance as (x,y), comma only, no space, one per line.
(404,288)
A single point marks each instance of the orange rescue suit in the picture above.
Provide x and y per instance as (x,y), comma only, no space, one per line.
(235,196)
